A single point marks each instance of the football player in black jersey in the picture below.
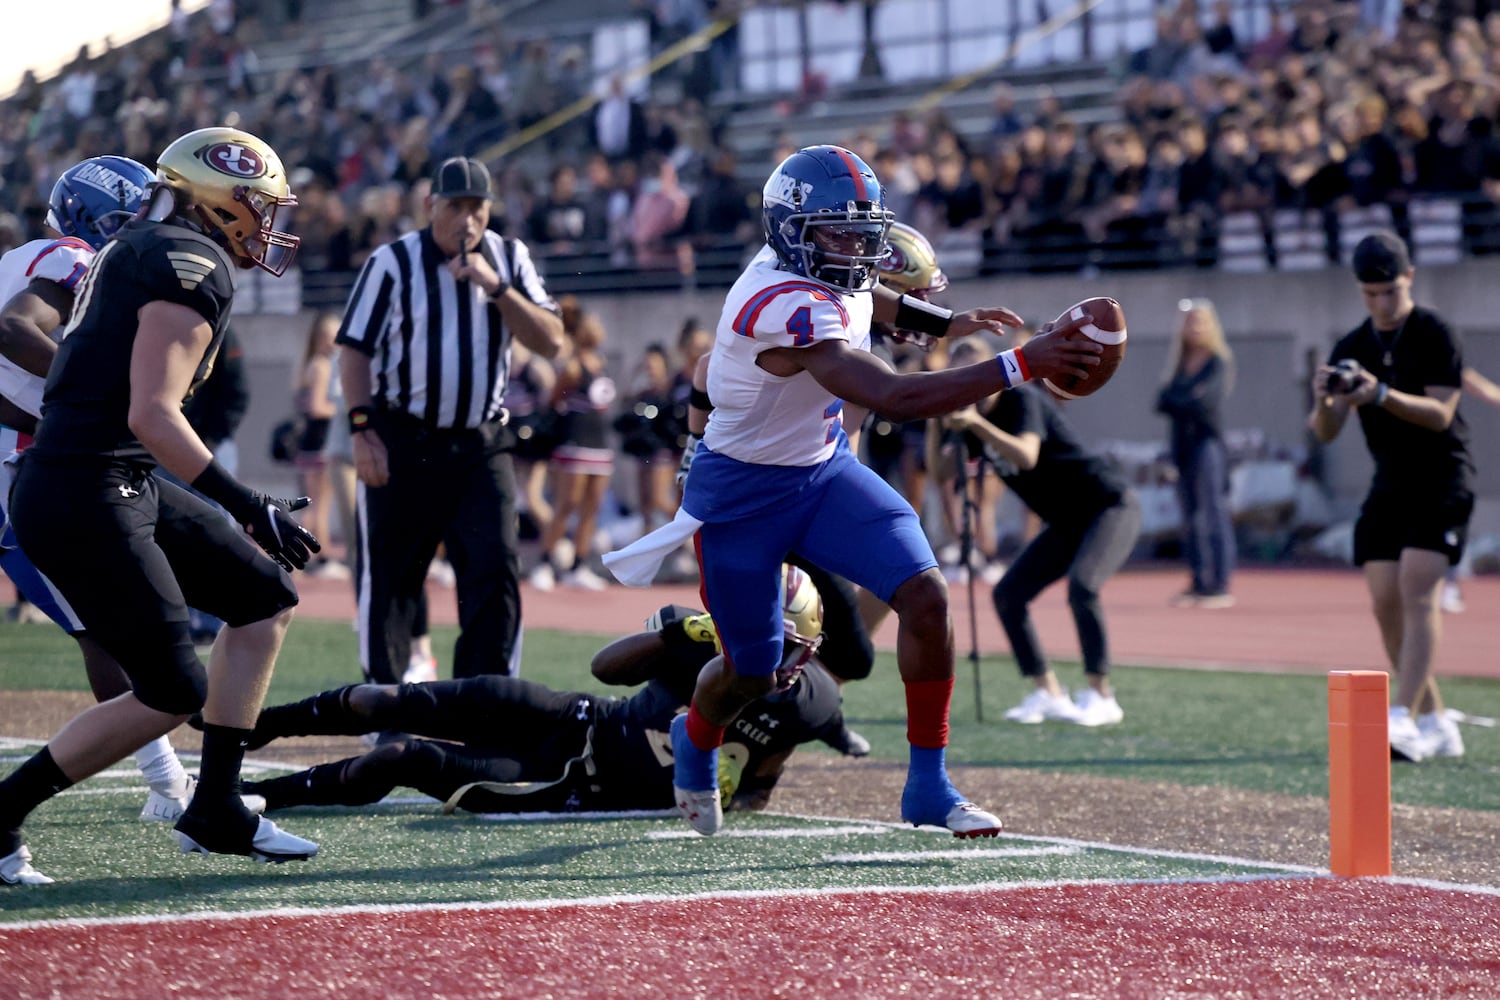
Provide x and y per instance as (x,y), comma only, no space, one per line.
(130,552)
(516,746)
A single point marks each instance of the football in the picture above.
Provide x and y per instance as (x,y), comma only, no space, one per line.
(1102,321)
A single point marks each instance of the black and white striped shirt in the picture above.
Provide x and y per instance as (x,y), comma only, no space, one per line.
(439,349)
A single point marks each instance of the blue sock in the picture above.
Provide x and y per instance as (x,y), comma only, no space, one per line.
(693,769)
(928,765)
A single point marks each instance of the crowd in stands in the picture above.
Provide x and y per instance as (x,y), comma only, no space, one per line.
(1322,111)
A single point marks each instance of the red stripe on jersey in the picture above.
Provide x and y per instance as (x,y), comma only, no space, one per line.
(66,241)
(744,323)
(861,193)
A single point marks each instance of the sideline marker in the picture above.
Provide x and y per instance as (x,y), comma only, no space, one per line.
(1359,773)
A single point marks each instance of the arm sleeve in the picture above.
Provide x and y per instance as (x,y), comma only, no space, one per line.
(371,304)
(795,313)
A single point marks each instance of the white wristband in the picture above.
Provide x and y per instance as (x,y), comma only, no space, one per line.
(1013,367)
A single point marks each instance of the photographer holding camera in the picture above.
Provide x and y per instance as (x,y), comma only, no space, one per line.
(1401,370)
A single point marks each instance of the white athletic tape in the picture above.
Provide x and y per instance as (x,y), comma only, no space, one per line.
(1110,338)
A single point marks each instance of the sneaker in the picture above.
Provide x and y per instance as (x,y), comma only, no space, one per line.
(1096,710)
(269,844)
(1186,599)
(1212,602)
(15,869)
(440,572)
(1452,600)
(329,569)
(542,578)
(26,613)
(584,579)
(1442,735)
(420,669)
(849,743)
(1040,706)
(1407,742)
(992,572)
(163,808)
(695,781)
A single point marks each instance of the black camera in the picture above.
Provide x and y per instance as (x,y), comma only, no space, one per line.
(1344,378)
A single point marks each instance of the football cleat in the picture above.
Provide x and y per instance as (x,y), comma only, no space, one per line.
(927,803)
(968,820)
(15,869)
(695,781)
(270,843)
(163,808)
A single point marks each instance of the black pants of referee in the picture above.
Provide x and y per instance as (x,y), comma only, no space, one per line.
(1088,553)
(457,487)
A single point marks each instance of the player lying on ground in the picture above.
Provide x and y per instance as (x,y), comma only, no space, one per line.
(502,744)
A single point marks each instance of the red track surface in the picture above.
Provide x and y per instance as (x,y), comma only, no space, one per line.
(1284,619)
(1269,939)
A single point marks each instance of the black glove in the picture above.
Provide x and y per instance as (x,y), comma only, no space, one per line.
(267,520)
(688,453)
(271,526)
(667,616)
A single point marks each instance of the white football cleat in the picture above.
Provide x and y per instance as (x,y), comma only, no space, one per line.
(15,869)
(702,810)
(968,820)
(270,844)
(1442,735)
(1407,741)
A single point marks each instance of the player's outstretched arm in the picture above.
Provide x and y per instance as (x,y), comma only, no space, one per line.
(907,313)
(861,378)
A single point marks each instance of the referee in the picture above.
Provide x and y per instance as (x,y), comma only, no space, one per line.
(427,333)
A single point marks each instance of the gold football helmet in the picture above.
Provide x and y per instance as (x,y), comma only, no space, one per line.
(233,183)
(802,615)
(911,268)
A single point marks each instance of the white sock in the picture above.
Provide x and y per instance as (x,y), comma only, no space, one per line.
(161,768)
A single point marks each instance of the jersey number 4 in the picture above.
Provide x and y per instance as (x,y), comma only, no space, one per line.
(800,326)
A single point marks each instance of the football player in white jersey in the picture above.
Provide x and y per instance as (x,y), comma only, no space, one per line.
(774,473)
(88,203)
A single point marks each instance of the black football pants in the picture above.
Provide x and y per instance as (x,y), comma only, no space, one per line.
(454,487)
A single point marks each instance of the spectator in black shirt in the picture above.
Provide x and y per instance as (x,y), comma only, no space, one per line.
(559,222)
(1401,371)
(1091,522)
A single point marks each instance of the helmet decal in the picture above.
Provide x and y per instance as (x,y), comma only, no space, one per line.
(94,197)
(233,159)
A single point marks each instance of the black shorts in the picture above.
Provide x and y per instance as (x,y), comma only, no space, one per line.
(131,553)
(1389,522)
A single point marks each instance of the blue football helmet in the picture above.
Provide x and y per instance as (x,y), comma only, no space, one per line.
(95,197)
(824,214)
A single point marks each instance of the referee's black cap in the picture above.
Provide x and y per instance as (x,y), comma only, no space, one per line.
(1380,257)
(462,177)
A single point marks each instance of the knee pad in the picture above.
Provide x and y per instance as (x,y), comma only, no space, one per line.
(413,763)
(165,672)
